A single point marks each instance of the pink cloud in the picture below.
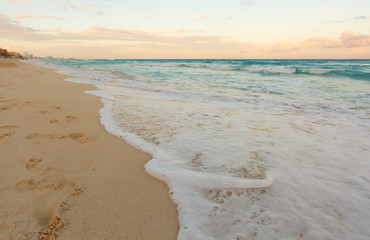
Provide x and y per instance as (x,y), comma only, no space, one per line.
(10,30)
(24,16)
(353,39)
(346,40)
(321,42)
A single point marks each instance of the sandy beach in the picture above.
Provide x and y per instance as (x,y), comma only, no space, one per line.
(62,175)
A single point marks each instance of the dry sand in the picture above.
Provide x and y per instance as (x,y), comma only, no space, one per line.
(62,175)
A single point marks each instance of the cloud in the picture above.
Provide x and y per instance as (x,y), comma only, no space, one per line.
(81,8)
(346,40)
(13,31)
(202,18)
(24,16)
(284,47)
(21,2)
(319,42)
(132,35)
(346,20)
(132,43)
(183,31)
(182,43)
(353,39)
(358,18)
(9,29)
(246,3)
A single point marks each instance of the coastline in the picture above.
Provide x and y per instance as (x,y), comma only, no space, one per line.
(63,174)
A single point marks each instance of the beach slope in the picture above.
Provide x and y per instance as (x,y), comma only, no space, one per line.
(62,175)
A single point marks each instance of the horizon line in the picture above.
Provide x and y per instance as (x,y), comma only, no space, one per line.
(74,58)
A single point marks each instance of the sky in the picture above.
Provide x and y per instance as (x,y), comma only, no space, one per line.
(192,29)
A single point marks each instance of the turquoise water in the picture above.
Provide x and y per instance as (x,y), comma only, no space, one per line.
(250,149)
(239,75)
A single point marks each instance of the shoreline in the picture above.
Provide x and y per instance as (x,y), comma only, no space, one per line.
(65,171)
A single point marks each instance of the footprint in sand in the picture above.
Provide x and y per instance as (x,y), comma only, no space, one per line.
(79,137)
(29,184)
(8,127)
(53,121)
(9,104)
(47,216)
(9,134)
(5,136)
(77,191)
(71,118)
(43,112)
(64,206)
(33,163)
(57,183)
(58,108)
(6,108)
(46,208)
(50,135)
(53,229)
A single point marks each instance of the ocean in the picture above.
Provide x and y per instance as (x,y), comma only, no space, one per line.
(250,149)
